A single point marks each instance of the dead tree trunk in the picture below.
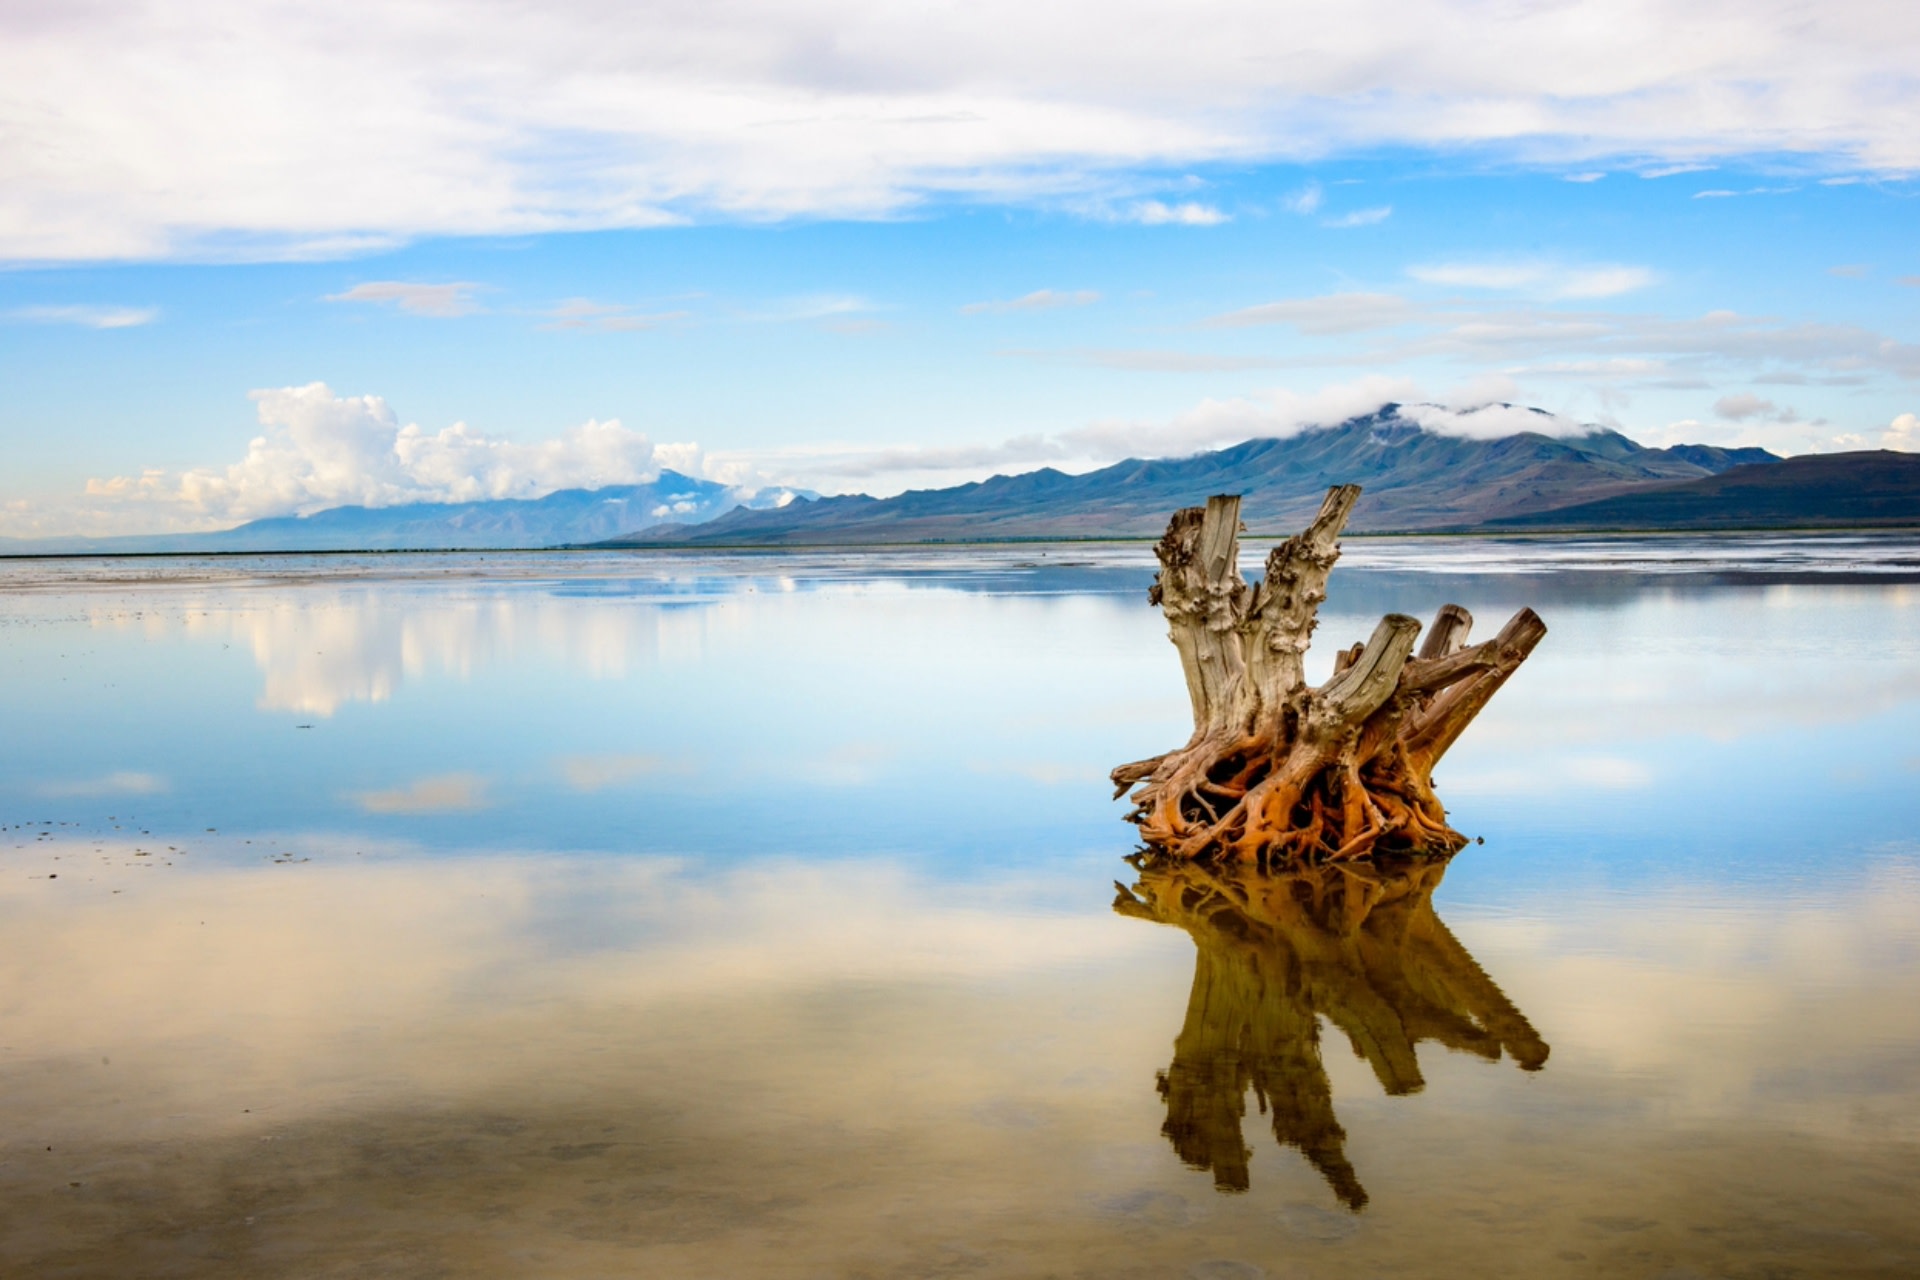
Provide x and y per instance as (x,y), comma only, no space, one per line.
(1278,772)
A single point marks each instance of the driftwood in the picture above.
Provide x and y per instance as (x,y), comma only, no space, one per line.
(1356,944)
(1282,773)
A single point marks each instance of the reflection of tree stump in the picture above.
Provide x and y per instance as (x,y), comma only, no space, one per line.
(1357,945)
(1279,772)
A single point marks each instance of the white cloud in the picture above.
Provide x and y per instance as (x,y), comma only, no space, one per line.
(819,306)
(1591,176)
(321,450)
(1154,213)
(1722,193)
(1743,405)
(1210,424)
(1145,360)
(269,127)
(607,317)
(1471,410)
(1903,433)
(1543,279)
(1491,421)
(91,317)
(1329,313)
(444,300)
(1306,201)
(1361,217)
(1038,300)
(1214,423)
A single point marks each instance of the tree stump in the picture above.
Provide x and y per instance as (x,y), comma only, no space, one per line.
(1280,773)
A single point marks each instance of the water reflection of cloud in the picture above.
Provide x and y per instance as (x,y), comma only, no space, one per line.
(1719,996)
(1047,773)
(316,950)
(1565,773)
(600,772)
(447,793)
(630,1067)
(331,646)
(1678,665)
(124,782)
(851,764)
(1706,1003)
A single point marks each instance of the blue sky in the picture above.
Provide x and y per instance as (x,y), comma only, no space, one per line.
(264,258)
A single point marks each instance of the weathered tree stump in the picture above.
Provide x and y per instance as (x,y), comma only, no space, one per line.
(1281,773)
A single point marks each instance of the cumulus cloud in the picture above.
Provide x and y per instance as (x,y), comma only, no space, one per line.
(91,317)
(1544,279)
(322,450)
(1189,213)
(1038,300)
(444,300)
(1903,433)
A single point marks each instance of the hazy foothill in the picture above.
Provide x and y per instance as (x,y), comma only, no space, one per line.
(1203,641)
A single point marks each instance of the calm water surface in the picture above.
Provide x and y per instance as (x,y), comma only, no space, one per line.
(756,915)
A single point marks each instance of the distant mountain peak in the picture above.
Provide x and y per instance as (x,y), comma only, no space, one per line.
(1422,466)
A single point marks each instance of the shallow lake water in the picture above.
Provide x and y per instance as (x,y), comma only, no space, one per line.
(756,915)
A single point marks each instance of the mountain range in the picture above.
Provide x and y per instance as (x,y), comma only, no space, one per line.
(566,516)
(1857,490)
(1414,480)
